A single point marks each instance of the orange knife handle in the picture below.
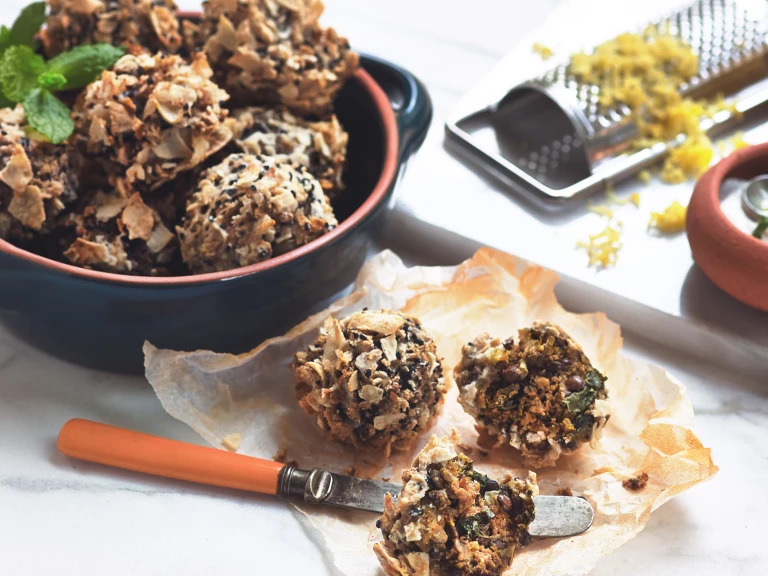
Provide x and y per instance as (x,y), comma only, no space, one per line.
(103,444)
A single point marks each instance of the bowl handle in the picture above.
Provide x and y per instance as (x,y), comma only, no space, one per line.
(410,102)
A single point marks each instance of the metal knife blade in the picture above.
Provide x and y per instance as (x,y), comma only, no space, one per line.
(556,516)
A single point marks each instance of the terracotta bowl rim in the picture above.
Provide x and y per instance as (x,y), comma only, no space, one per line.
(389,169)
(720,172)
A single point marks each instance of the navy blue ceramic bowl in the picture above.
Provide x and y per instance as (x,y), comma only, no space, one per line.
(101,320)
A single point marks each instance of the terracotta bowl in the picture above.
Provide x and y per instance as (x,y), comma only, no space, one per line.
(734,260)
(101,320)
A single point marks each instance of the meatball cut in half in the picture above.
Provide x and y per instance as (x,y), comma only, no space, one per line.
(541,395)
(273,51)
(248,209)
(451,520)
(139,24)
(372,380)
(151,118)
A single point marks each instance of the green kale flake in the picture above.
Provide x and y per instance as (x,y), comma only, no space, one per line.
(580,401)
(472,526)
(478,477)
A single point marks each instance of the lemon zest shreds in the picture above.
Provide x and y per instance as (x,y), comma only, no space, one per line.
(600,210)
(737,141)
(545,52)
(688,160)
(671,220)
(644,176)
(635,198)
(603,248)
(643,72)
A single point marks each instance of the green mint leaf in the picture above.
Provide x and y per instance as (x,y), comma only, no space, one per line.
(5,38)
(51,81)
(83,64)
(761,228)
(27,25)
(19,72)
(4,102)
(48,115)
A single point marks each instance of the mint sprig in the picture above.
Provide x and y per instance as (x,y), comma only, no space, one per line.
(83,64)
(26,78)
(20,71)
(48,115)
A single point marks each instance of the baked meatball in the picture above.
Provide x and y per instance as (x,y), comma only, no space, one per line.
(451,520)
(249,208)
(372,380)
(110,233)
(36,179)
(319,146)
(151,118)
(541,395)
(138,24)
(270,51)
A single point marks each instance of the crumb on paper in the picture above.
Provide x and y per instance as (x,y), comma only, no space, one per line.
(232,441)
(544,51)
(603,248)
(564,491)
(671,220)
(636,483)
(281,454)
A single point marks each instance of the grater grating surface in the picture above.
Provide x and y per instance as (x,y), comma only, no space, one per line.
(723,34)
(560,159)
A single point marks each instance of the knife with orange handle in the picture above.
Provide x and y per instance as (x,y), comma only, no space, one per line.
(556,516)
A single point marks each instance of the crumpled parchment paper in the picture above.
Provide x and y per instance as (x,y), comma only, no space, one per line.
(247,403)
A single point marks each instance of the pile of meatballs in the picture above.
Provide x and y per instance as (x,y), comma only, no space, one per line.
(210,145)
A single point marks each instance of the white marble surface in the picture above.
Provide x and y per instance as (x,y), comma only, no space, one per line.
(61,517)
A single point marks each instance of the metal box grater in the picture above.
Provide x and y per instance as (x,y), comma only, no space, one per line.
(549,138)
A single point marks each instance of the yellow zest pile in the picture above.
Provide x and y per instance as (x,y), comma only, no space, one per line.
(730,145)
(643,73)
(671,221)
(603,248)
(543,51)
